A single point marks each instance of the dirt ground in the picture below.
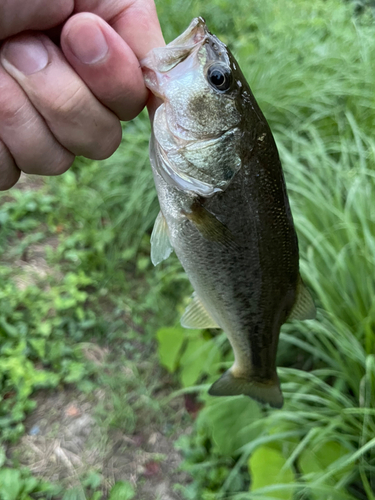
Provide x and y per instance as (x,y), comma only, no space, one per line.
(63,440)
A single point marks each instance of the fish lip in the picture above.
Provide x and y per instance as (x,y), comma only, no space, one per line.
(160,60)
(195,33)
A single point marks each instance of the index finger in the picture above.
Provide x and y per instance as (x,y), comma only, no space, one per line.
(17,15)
(136,21)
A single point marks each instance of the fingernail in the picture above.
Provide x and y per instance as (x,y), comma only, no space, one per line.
(27,54)
(87,42)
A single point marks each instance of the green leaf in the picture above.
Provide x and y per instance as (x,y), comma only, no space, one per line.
(97,496)
(267,468)
(193,360)
(74,494)
(39,346)
(122,490)
(317,459)
(30,485)
(10,484)
(230,422)
(93,480)
(76,372)
(170,341)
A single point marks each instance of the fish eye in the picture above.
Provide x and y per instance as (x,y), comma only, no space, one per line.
(219,77)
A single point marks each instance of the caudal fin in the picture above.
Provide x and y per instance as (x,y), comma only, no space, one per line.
(267,392)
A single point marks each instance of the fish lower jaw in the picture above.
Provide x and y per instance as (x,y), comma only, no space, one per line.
(152,83)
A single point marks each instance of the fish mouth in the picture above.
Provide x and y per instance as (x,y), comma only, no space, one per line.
(159,61)
(196,32)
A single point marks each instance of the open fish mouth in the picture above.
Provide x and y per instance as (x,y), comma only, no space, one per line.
(159,63)
(195,33)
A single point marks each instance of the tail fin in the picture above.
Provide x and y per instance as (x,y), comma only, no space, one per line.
(267,392)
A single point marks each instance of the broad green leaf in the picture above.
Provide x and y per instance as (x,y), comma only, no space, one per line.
(201,356)
(170,341)
(122,490)
(193,360)
(316,459)
(230,422)
(267,468)
(30,484)
(10,484)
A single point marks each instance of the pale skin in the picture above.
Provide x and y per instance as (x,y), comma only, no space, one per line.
(64,99)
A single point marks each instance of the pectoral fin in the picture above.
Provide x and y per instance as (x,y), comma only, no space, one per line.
(304,307)
(196,315)
(210,227)
(161,247)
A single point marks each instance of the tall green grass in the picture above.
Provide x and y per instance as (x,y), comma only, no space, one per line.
(310,66)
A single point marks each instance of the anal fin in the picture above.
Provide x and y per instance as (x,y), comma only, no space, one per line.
(196,315)
(161,247)
(304,307)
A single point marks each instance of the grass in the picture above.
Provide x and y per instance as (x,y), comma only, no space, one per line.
(310,66)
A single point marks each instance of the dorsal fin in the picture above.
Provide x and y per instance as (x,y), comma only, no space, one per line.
(161,247)
(304,307)
(196,315)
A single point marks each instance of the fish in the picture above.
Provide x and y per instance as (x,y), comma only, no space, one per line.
(224,207)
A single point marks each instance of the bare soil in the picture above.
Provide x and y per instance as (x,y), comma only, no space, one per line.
(63,440)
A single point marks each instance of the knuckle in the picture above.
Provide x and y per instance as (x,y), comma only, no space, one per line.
(52,14)
(53,161)
(9,181)
(12,102)
(62,165)
(9,173)
(70,104)
(108,140)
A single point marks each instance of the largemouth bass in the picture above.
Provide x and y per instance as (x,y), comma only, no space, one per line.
(224,207)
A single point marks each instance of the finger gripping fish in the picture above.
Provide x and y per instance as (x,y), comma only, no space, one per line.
(224,207)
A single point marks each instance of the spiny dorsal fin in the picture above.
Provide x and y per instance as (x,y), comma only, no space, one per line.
(304,307)
(161,247)
(196,315)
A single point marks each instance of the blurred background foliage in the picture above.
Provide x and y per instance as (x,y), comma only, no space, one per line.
(311,67)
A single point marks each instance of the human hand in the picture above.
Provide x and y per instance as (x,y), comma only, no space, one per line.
(56,103)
